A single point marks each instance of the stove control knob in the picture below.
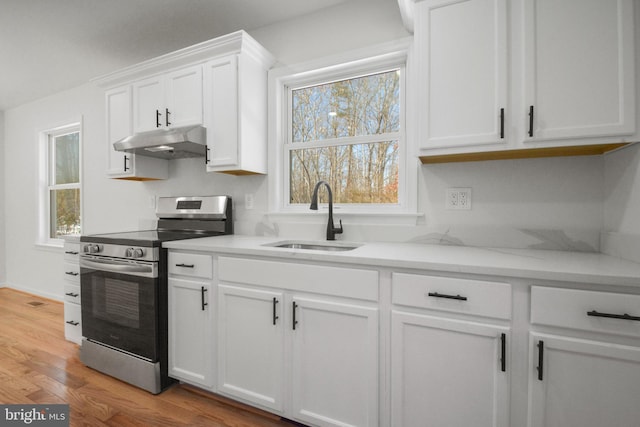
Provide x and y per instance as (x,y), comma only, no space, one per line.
(128,253)
(138,253)
(91,249)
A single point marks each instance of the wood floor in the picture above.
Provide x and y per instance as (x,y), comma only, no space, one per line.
(38,366)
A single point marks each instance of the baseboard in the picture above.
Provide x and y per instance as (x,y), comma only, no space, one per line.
(35,292)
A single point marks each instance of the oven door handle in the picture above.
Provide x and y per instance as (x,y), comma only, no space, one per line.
(117,267)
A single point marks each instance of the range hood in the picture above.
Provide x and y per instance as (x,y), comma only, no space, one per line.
(176,143)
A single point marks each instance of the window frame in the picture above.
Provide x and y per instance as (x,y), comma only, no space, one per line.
(282,81)
(47,170)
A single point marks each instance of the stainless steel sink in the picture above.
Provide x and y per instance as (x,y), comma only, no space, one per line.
(314,246)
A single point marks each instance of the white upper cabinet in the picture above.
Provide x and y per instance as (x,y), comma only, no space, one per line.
(235,110)
(220,84)
(579,69)
(524,78)
(122,165)
(168,100)
(462,46)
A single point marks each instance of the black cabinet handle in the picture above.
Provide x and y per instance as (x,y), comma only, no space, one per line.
(126,168)
(295,322)
(503,352)
(185,265)
(71,273)
(72,323)
(275,310)
(158,114)
(206,156)
(71,294)
(502,123)
(624,316)
(438,295)
(166,117)
(71,252)
(202,296)
(540,359)
(531,121)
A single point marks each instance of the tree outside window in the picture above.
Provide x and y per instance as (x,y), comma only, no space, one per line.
(347,133)
(64,183)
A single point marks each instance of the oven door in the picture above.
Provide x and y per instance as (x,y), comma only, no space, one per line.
(120,304)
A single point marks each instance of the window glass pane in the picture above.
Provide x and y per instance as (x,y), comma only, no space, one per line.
(368,105)
(67,160)
(65,212)
(358,173)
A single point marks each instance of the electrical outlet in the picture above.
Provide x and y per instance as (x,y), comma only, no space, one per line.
(458,199)
(248,201)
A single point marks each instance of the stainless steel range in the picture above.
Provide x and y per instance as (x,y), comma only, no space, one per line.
(123,280)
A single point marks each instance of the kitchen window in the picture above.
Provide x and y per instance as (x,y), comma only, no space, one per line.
(60,196)
(344,123)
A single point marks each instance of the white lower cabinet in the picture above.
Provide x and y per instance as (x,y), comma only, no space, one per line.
(448,372)
(310,357)
(251,345)
(591,380)
(191,331)
(334,362)
(583,383)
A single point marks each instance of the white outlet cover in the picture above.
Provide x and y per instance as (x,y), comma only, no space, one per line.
(458,198)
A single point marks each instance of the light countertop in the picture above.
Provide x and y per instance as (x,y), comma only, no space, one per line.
(580,267)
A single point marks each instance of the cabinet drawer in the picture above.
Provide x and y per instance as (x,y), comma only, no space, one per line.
(327,280)
(73,322)
(193,265)
(586,310)
(491,299)
(71,251)
(72,293)
(72,273)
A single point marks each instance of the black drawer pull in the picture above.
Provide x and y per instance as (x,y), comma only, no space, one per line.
(71,252)
(540,360)
(185,265)
(275,310)
(71,294)
(203,297)
(72,323)
(503,352)
(71,273)
(530,121)
(438,295)
(624,316)
(295,322)
(502,123)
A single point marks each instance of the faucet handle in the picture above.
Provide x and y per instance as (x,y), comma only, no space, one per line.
(338,230)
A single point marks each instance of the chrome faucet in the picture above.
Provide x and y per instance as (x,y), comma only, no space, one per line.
(331,230)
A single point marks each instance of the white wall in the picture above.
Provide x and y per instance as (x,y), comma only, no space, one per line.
(525,197)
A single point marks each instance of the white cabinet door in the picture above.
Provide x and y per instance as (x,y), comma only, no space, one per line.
(583,383)
(462,51)
(191,355)
(334,362)
(184,97)
(118,108)
(447,373)
(251,345)
(579,69)
(148,104)
(221,112)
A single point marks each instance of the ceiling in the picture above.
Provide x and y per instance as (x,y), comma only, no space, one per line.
(47,46)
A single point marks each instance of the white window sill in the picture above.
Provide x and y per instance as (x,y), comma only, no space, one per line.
(50,246)
(369,218)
